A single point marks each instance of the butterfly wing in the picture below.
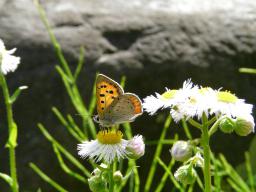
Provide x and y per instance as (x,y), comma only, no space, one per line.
(124,108)
(106,92)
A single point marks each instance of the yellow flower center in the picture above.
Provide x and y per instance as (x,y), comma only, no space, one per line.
(109,136)
(169,94)
(192,100)
(204,90)
(226,96)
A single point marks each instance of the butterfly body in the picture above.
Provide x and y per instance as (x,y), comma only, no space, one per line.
(113,105)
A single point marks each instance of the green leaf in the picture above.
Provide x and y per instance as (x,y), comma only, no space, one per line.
(80,63)
(17,93)
(157,154)
(65,168)
(54,41)
(47,179)
(76,128)
(68,155)
(92,103)
(64,75)
(12,140)
(167,172)
(234,176)
(6,178)
(247,70)
(66,124)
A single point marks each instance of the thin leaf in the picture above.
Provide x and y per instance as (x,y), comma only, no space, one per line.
(166,174)
(249,170)
(66,124)
(234,175)
(164,142)
(80,64)
(247,70)
(53,39)
(157,154)
(70,157)
(76,128)
(92,104)
(186,129)
(6,178)
(66,169)
(47,179)
(16,93)
(234,185)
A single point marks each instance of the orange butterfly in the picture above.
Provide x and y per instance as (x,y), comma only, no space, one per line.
(113,105)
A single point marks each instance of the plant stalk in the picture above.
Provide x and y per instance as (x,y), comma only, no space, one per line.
(10,121)
(111,179)
(205,143)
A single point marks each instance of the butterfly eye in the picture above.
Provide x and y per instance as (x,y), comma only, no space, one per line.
(96,118)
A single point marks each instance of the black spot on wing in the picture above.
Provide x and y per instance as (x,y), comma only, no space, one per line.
(102,95)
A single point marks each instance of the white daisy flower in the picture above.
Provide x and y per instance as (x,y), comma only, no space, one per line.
(226,103)
(170,98)
(182,97)
(199,102)
(152,103)
(8,62)
(177,115)
(108,146)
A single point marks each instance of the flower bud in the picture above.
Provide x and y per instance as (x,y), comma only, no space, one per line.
(181,151)
(96,172)
(186,174)
(197,160)
(227,125)
(118,177)
(244,125)
(135,147)
(97,184)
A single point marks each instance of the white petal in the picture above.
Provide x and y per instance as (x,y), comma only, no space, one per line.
(8,62)
(151,104)
(98,151)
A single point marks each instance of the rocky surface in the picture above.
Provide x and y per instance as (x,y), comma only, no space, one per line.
(155,43)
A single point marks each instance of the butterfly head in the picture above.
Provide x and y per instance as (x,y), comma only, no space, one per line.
(96,119)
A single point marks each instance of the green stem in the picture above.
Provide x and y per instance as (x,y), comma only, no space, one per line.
(111,179)
(215,126)
(186,129)
(11,146)
(205,143)
(157,155)
(194,123)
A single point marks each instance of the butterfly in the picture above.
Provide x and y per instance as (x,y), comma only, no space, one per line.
(113,105)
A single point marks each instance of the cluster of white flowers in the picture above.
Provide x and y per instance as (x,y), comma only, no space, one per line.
(8,62)
(192,101)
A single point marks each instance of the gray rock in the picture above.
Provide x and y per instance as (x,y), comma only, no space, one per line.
(155,43)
